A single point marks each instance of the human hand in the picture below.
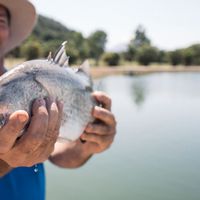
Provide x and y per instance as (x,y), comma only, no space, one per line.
(37,142)
(99,135)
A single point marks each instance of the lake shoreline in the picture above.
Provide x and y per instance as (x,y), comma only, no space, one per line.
(101,71)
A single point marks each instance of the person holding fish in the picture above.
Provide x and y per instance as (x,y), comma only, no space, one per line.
(29,139)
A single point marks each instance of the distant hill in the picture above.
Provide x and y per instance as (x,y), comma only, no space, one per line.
(48,29)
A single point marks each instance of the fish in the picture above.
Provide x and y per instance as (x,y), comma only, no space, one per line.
(53,77)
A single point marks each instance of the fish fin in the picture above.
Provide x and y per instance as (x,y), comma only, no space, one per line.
(84,72)
(49,58)
(60,56)
(85,67)
(66,63)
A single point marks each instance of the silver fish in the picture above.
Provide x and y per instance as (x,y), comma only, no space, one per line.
(20,86)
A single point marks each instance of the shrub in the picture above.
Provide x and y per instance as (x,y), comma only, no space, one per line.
(188,57)
(175,57)
(146,54)
(111,59)
(31,50)
(193,51)
(129,55)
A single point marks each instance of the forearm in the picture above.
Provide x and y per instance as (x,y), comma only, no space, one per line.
(4,168)
(70,155)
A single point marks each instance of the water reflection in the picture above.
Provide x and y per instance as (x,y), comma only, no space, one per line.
(139,92)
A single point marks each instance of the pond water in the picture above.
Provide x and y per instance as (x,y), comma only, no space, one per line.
(156,153)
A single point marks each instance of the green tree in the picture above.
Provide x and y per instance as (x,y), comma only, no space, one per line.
(195,51)
(140,39)
(162,56)
(175,57)
(97,42)
(111,59)
(188,56)
(130,53)
(81,45)
(147,54)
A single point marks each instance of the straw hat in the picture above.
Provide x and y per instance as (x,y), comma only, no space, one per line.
(23,19)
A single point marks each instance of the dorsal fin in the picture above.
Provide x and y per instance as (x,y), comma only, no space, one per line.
(60,56)
(66,63)
(49,58)
(85,66)
(84,71)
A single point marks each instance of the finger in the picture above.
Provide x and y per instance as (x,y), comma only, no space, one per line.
(49,142)
(53,119)
(49,148)
(12,129)
(96,138)
(103,99)
(36,131)
(104,115)
(99,129)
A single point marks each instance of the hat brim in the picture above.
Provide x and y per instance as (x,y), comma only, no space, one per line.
(23,19)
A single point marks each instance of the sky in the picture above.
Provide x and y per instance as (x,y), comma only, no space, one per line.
(170,24)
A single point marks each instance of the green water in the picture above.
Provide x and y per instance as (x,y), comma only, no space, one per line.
(156,153)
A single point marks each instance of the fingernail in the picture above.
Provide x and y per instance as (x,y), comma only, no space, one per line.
(22,118)
(61,104)
(82,141)
(82,136)
(97,108)
(53,105)
(51,99)
(41,101)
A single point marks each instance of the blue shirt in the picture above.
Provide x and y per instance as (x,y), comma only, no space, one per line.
(23,183)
